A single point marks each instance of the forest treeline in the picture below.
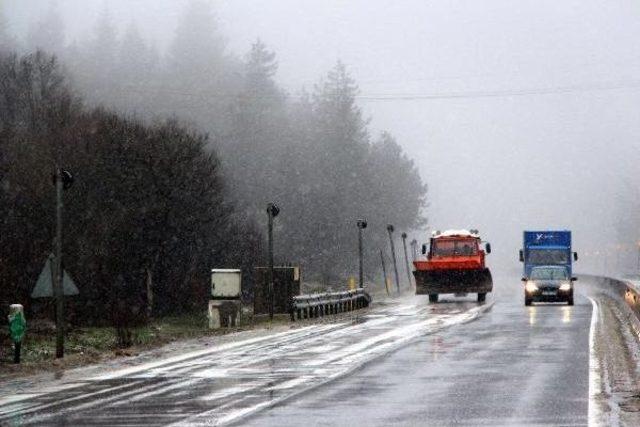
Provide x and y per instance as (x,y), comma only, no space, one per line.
(146,211)
(176,155)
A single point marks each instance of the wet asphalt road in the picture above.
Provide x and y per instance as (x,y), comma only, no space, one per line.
(515,366)
(225,383)
(403,363)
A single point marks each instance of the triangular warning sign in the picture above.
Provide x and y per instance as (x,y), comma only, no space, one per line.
(44,285)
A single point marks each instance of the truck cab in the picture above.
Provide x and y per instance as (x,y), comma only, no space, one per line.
(455,264)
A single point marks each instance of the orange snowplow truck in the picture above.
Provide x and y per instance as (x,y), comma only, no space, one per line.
(455,264)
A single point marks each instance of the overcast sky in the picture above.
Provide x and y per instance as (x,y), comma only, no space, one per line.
(519,114)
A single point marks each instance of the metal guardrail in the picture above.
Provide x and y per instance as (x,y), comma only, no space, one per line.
(632,295)
(318,305)
(623,290)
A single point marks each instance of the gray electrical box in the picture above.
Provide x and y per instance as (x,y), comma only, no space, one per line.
(226,283)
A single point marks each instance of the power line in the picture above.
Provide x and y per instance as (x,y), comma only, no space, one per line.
(573,69)
(399,96)
(502,93)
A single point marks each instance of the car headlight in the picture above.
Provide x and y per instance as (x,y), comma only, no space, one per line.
(531,286)
(565,287)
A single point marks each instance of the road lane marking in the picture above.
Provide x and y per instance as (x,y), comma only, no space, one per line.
(596,414)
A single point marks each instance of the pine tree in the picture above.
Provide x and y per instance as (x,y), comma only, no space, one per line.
(137,71)
(336,109)
(7,42)
(95,65)
(104,44)
(258,130)
(338,163)
(48,32)
(396,185)
(200,78)
(260,70)
(197,52)
(133,51)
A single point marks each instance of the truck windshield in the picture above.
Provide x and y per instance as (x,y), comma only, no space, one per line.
(455,247)
(549,274)
(548,256)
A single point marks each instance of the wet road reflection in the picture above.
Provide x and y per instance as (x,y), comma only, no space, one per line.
(532,315)
(514,366)
(226,383)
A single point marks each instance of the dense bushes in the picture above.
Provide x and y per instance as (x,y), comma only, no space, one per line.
(146,217)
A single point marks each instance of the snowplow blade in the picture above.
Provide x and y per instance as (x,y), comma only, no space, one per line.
(453,281)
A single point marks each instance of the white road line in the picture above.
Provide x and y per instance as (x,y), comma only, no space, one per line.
(595,374)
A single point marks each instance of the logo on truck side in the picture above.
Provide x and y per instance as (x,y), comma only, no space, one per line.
(540,236)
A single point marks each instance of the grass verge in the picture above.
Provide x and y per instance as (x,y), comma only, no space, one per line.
(86,345)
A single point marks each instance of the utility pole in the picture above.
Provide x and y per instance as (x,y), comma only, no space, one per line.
(384,271)
(57,269)
(62,180)
(393,255)
(414,249)
(362,224)
(406,258)
(272,212)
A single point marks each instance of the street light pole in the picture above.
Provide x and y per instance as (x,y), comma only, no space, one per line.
(393,255)
(362,224)
(414,249)
(406,257)
(272,212)
(384,272)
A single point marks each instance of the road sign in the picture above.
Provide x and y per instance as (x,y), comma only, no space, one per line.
(44,285)
(17,326)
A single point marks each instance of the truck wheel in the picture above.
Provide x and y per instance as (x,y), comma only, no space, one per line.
(482,296)
(433,298)
(527,301)
(570,300)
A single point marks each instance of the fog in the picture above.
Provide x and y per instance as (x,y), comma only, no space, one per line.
(519,115)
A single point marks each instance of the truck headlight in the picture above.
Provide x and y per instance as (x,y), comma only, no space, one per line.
(531,287)
(565,287)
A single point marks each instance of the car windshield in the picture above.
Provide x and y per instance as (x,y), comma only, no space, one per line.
(548,256)
(455,247)
(549,274)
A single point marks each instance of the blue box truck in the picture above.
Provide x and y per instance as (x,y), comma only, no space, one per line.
(547,259)
(547,248)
